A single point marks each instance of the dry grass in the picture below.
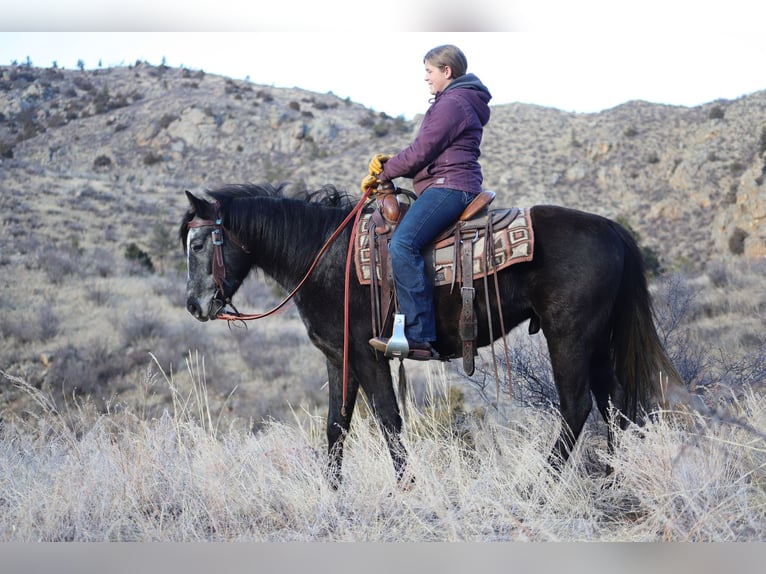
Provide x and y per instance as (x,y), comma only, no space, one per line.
(194,474)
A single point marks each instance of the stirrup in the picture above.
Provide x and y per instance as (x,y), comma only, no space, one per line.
(397,344)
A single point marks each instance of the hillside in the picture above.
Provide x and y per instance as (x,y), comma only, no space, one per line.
(689,180)
(93,165)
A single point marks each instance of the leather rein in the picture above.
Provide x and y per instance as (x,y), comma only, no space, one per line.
(219,273)
(219,270)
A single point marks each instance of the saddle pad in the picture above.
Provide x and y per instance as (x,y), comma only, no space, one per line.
(512,243)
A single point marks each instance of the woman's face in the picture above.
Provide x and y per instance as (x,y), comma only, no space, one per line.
(437,79)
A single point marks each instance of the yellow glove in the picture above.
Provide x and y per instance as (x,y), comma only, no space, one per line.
(370,182)
(376,163)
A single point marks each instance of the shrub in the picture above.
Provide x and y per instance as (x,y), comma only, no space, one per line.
(675,304)
(737,241)
(737,168)
(84,84)
(142,326)
(97,293)
(60,263)
(135,254)
(381,129)
(50,323)
(166,120)
(152,158)
(102,161)
(264,95)
(76,371)
(716,113)
(27,123)
(6,150)
(163,242)
(102,262)
(367,122)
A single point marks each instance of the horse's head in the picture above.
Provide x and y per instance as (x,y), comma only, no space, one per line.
(217,262)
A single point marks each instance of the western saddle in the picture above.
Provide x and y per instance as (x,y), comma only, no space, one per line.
(475,223)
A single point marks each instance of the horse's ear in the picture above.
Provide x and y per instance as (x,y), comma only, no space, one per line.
(194,201)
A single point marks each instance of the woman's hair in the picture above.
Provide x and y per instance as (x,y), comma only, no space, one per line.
(448,55)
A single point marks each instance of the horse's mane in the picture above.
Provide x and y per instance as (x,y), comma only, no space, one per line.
(250,209)
(327,195)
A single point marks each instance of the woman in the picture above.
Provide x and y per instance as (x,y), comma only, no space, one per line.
(443,164)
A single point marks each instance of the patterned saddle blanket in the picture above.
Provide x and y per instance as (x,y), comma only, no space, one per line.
(512,242)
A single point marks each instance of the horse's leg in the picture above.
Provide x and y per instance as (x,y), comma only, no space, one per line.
(606,389)
(379,388)
(338,422)
(570,372)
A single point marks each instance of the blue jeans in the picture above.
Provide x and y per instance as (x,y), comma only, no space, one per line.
(434,211)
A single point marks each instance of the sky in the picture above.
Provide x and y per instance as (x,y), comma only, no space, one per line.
(583,56)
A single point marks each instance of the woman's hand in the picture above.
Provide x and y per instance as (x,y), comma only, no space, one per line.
(370,182)
(376,163)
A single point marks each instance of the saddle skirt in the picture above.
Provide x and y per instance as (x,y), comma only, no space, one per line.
(512,242)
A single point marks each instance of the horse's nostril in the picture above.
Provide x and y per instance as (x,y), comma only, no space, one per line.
(192,307)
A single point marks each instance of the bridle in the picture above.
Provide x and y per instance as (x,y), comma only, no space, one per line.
(219,269)
(219,273)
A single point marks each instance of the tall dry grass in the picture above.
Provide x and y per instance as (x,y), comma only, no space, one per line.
(190,474)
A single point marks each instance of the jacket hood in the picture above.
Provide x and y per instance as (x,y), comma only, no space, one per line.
(470,82)
(474,92)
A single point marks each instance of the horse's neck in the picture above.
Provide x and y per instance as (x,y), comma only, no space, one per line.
(289,236)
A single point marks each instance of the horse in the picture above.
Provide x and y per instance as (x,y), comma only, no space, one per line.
(585,288)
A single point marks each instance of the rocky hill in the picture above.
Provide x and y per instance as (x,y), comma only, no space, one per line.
(688,180)
(93,165)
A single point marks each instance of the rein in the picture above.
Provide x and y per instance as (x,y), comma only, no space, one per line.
(219,273)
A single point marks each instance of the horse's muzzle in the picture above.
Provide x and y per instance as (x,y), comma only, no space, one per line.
(194,307)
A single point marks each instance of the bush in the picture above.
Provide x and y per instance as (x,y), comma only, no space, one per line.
(380,129)
(76,371)
(166,120)
(60,263)
(367,122)
(102,161)
(135,254)
(716,113)
(152,158)
(737,241)
(6,150)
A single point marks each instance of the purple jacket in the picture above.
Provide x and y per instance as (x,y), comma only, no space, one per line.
(445,152)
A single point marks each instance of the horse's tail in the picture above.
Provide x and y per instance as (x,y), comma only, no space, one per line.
(642,365)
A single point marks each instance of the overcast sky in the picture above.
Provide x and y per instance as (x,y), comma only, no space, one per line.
(564,56)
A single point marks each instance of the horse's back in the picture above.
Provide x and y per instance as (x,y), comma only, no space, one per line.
(575,276)
(570,240)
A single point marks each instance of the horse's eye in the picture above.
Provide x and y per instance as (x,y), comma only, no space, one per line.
(197,246)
